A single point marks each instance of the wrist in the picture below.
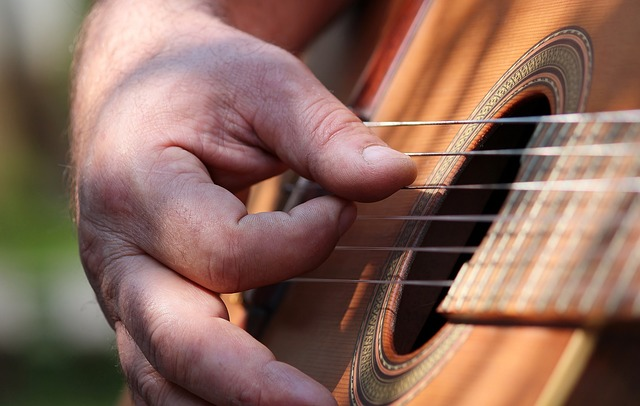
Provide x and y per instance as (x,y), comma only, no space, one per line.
(119,36)
(289,24)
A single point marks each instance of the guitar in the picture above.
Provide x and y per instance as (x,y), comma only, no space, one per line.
(539,234)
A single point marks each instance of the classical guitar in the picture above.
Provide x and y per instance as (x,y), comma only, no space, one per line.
(509,273)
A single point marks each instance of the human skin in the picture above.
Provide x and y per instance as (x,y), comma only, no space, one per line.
(178,107)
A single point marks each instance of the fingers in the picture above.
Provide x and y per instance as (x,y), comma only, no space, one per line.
(171,126)
(204,232)
(244,107)
(314,133)
(176,347)
(162,188)
(178,124)
(147,386)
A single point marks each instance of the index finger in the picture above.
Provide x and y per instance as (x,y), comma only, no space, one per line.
(297,119)
(320,138)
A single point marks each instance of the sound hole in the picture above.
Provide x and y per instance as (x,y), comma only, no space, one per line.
(417,319)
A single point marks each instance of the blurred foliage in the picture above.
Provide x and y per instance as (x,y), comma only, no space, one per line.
(49,376)
(34,216)
(35,221)
(37,237)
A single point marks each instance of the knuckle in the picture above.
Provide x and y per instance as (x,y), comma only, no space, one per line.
(149,387)
(266,58)
(102,189)
(327,124)
(224,263)
(160,333)
(145,384)
(168,348)
(329,120)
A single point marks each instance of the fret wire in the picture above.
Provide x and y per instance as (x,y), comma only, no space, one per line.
(622,116)
(628,221)
(582,271)
(601,269)
(517,204)
(616,215)
(568,206)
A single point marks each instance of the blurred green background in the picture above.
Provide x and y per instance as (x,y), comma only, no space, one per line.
(55,346)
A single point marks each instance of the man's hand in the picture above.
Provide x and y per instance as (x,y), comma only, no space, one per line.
(175,114)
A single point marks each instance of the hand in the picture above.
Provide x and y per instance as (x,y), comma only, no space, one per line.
(173,119)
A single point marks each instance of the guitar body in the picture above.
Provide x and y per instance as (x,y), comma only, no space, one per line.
(546,310)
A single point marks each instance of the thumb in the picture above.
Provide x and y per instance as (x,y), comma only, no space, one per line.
(316,135)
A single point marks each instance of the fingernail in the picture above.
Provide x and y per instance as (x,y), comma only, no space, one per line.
(377,153)
(347,217)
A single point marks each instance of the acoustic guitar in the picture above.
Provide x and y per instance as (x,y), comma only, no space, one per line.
(509,273)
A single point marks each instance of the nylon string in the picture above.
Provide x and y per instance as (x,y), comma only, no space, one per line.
(620,184)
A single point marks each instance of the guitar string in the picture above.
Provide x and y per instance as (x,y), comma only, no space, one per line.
(618,116)
(432,283)
(443,250)
(613,149)
(465,218)
(462,218)
(629,184)
(430,249)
